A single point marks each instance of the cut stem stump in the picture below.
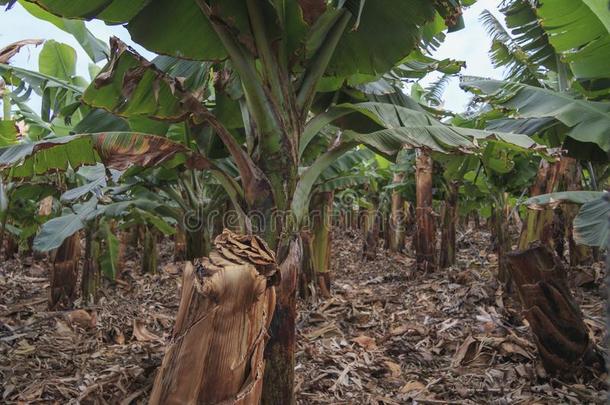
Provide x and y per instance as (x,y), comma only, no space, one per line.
(561,335)
(216,352)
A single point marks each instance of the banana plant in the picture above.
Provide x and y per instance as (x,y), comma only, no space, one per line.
(91,207)
(494,177)
(278,53)
(551,94)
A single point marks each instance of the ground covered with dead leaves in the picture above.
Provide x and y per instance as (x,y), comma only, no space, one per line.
(389,335)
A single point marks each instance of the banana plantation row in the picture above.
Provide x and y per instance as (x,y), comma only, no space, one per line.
(261,125)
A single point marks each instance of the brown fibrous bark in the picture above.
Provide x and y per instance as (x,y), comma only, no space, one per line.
(557,323)
(216,351)
(425,240)
(63,287)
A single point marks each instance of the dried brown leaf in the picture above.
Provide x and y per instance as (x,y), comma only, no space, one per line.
(11,50)
(82,319)
(141,333)
(366,342)
(394,368)
(412,386)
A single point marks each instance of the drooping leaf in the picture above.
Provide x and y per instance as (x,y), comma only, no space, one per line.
(94,178)
(300,200)
(589,121)
(158,222)
(11,50)
(553,199)
(591,225)
(118,150)
(130,86)
(38,80)
(55,231)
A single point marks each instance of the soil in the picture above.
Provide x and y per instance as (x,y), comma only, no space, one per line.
(388,335)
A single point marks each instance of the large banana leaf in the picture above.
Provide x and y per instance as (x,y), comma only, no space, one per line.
(117,150)
(389,142)
(580,31)
(405,126)
(130,86)
(527,126)
(180,28)
(438,138)
(57,60)
(528,34)
(390,27)
(589,121)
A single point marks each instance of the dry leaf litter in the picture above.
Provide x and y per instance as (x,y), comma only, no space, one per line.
(388,335)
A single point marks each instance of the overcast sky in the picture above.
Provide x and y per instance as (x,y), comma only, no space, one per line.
(470,44)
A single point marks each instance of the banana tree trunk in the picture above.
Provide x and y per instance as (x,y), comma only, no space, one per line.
(371,234)
(501,237)
(322,223)
(539,223)
(150,255)
(307,278)
(396,227)
(557,323)
(570,179)
(45,209)
(477,220)
(197,244)
(91,274)
(280,351)
(179,245)
(425,236)
(123,251)
(11,247)
(216,354)
(64,274)
(449,218)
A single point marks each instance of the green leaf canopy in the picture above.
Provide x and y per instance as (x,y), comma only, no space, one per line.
(180,28)
(580,31)
(589,121)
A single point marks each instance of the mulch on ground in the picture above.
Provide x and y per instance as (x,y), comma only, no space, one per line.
(388,335)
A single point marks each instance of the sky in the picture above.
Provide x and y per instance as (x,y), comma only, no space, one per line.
(470,45)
